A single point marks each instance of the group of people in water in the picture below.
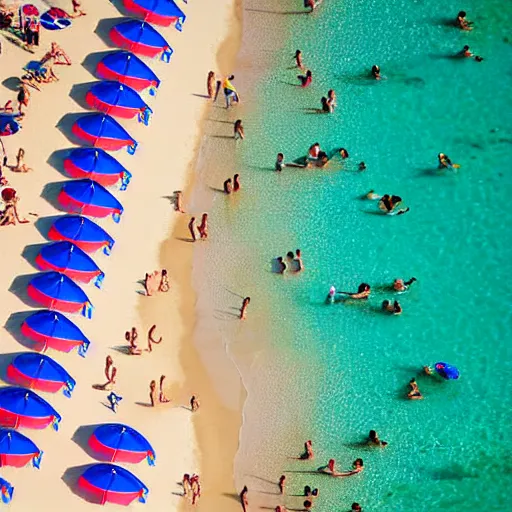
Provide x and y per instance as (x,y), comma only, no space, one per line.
(292,259)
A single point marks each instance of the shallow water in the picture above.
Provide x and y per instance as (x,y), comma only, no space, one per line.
(332,373)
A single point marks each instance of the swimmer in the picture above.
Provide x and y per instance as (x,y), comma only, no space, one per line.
(326,108)
(331,296)
(391,205)
(330,469)
(312,4)
(298,60)
(465,52)
(305,80)
(355,507)
(281,265)
(394,308)
(462,22)
(399,285)
(372,196)
(361,167)
(445,162)
(343,153)
(373,438)
(376,72)
(414,393)
(314,151)
(363,292)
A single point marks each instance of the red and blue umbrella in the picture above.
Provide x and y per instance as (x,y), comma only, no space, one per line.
(7,491)
(8,125)
(84,233)
(103,131)
(447,371)
(56,291)
(89,198)
(37,371)
(53,330)
(140,38)
(160,12)
(119,443)
(118,100)
(18,450)
(128,69)
(20,407)
(112,484)
(96,164)
(69,259)
(55,19)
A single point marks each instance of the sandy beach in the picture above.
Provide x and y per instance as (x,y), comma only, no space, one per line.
(160,167)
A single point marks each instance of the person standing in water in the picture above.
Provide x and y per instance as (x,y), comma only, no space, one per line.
(462,22)
(236,183)
(203,227)
(238,130)
(305,80)
(243,498)
(227,186)
(414,392)
(298,60)
(376,72)
(243,310)
(298,260)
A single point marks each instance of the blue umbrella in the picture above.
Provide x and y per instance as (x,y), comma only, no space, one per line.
(160,12)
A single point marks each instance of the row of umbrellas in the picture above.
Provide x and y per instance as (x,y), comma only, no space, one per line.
(67,261)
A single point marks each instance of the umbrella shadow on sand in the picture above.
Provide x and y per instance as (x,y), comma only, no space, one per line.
(56,160)
(5,361)
(65,126)
(13,327)
(91,61)
(43,224)
(30,253)
(104,26)
(70,478)
(19,288)
(51,192)
(78,92)
(81,438)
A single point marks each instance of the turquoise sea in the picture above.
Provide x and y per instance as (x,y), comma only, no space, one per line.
(330,373)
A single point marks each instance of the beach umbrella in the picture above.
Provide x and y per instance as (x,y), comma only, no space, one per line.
(140,38)
(7,491)
(18,450)
(8,125)
(84,233)
(56,291)
(118,100)
(447,371)
(128,69)
(112,484)
(69,259)
(120,443)
(55,19)
(89,198)
(52,329)
(96,164)
(37,371)
(160,12)
(103,131)
(20,407)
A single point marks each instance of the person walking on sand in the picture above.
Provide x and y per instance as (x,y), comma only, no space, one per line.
(21,166)
(162,398)
(114,400)
(282,481)
(77,9)
(23,98)
(152,340)
(238,130)
(230,91)
(164,285)
(243,310)
(243,498)
(236,183)
(210,84)
(203,227)
(186,484)
(194,404)
(152,392)
(196,488)
(134,350)
(178,201)
(192,228)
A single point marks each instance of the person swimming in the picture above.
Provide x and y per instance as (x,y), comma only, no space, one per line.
(363,292)
(326,108)
(444,161)
(414,392)
(305,80)
(391,205)
(466,53)
(372,196)
(331,296)
(394,308)
(462,22)
(373,438)
(330,468)
(376,72)
(343,153)
(361,167)
(399,285)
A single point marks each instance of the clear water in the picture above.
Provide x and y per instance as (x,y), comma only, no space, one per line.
(332,373)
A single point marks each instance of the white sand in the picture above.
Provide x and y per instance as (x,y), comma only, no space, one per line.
(159,168)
